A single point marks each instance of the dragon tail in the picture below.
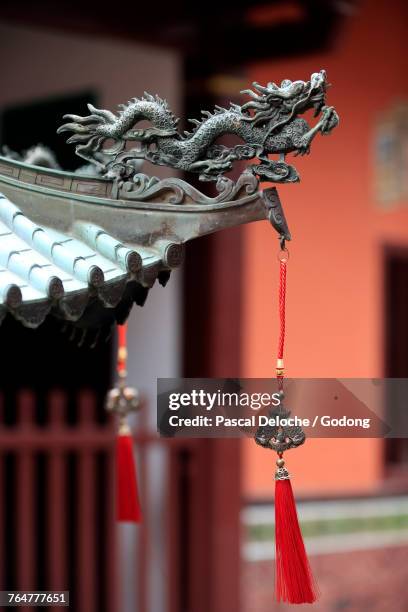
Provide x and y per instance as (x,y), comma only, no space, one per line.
(90,132)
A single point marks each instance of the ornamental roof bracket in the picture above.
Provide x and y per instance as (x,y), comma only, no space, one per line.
(85,246)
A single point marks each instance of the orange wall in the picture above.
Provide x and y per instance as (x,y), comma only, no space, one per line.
(335,285)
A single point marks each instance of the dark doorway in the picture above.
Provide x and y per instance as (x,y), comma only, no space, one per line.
(25,125)
(56,442)
(396,352)
(44,358)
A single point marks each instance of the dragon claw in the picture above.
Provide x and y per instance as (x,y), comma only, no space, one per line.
(302,150)
(329,121)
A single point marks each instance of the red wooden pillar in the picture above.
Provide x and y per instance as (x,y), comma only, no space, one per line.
(205,489)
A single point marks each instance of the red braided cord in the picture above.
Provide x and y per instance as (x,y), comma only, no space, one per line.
(122,347)
(282,304)
(294,581)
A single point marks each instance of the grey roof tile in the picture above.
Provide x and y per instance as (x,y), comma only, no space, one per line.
(10,289)
(96,237)
(43,270)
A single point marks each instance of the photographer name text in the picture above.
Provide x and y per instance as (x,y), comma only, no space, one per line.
(260,420)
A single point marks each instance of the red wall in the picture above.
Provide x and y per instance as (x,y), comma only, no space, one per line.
(335,284)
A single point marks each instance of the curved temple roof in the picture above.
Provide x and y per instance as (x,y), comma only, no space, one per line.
(84,249)
(87,274)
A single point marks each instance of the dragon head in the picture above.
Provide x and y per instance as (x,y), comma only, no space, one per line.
(287,99)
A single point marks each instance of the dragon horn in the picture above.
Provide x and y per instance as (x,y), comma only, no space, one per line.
(254,104)
(260,88)
(251,93)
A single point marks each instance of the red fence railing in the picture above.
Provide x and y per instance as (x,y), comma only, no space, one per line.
(57,509)
(57,523)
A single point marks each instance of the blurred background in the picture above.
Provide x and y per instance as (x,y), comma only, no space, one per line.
(206,542)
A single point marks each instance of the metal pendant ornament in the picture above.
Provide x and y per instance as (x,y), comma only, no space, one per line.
(123,400)
(294,582)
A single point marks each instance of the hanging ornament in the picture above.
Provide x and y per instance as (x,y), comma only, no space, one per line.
(122,400)
(294,582)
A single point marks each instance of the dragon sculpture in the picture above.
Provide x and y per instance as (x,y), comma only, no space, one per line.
(269,123)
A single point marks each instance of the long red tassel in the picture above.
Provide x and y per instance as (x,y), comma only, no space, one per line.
(128,504)
(122,400)
(294,582)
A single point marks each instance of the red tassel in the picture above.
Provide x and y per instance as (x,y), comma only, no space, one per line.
(128,505)
(122,400)
(294,582)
